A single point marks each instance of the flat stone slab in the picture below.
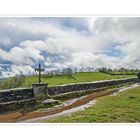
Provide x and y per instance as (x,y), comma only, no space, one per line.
(40,84)
(49,101)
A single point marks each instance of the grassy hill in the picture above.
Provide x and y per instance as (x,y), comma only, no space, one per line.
(22,81)
(125,107)
(75,78)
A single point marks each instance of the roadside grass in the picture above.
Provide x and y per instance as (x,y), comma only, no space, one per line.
(75,78)
(122,108)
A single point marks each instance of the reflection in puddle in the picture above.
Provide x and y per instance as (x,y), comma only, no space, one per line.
(65,112)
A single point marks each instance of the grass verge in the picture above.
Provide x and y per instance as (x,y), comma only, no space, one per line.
(124,107)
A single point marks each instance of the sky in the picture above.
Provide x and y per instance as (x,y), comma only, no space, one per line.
(61,42)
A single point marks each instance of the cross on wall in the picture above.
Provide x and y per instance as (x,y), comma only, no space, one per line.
(39,69)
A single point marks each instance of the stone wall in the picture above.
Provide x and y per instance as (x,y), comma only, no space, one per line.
(88,86)
(13,99)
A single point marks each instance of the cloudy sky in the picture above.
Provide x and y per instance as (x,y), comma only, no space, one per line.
(59,42)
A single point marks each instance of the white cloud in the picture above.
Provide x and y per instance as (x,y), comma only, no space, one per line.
(88,59)
(126,32)
(59,46)
(20,56)
(16,70)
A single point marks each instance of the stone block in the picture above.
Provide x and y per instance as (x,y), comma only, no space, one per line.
(49,102)
(40,89)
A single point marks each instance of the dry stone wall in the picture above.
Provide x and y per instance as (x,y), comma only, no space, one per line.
(88,86)
(13,99)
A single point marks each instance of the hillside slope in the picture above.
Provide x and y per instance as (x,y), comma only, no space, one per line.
(75,78)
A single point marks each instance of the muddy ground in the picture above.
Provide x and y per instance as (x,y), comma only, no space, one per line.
(20,116)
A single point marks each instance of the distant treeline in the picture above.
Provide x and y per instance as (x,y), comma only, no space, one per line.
(121,71)
(66,71)
(70,71)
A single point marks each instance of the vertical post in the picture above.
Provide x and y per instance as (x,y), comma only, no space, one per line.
(39,71)
(39,80)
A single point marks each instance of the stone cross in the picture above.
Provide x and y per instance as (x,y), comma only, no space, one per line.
(39,69)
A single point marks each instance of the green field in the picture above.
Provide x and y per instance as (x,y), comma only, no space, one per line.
(75,78)
(125,107)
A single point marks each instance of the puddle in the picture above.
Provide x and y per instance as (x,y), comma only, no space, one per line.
(66,103)
(65,112)
(69,102)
